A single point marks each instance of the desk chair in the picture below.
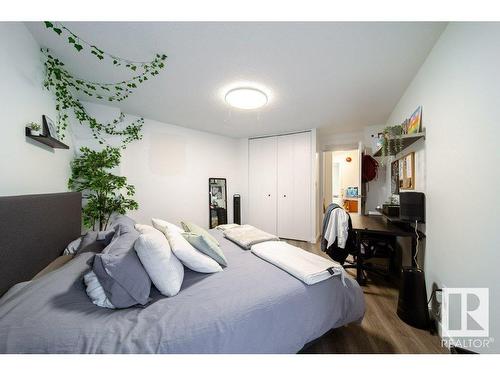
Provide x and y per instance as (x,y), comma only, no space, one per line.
(371,246)
(374,246)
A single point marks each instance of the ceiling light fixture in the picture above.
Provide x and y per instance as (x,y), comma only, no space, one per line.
(246,98)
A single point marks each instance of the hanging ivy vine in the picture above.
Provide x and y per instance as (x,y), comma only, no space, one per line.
(66,87)
(392,141)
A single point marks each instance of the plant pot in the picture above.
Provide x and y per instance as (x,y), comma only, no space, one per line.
(35,132)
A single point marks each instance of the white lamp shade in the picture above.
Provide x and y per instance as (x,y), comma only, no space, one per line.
(246,98)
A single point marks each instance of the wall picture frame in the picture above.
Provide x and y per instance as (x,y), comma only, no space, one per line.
(407,169)
(415,123)
(49,127)
(395,177)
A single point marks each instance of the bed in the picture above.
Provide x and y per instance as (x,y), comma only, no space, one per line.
(250,307)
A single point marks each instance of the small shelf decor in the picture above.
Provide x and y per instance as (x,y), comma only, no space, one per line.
(398,144)
(45,135)
(46,140)
(394,139)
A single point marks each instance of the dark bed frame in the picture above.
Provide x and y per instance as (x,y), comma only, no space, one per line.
(34,230)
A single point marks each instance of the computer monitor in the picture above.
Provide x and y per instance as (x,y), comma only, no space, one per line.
(412,206)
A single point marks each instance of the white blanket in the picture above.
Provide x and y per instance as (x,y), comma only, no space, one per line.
(305,266)
(246,235)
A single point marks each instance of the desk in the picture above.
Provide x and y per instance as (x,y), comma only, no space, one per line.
(363,226)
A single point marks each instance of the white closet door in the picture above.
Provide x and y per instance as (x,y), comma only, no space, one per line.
(262,184)
(294,186)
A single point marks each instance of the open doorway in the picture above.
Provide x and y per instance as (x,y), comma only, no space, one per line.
(342,179)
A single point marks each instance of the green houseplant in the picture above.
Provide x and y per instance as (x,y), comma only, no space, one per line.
(34,128)
(104,193)
(68,89)
(392,141)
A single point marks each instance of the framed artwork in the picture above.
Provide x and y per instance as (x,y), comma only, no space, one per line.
(407,172)
(415,123)
(395,177)
(49,128)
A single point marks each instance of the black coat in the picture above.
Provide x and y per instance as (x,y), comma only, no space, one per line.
(336,253)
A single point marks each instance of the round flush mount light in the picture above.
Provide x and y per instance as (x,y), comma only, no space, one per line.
(246,98)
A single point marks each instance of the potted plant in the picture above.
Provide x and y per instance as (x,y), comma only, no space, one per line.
(103,192)
(392,140)
(34,128)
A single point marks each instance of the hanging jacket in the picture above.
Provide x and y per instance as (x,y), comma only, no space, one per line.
(334,251)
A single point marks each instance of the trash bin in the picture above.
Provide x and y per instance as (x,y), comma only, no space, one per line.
(412,302)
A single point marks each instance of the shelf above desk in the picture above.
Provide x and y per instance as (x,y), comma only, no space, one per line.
(407,139)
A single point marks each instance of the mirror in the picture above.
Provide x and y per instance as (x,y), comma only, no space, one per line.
(217,200)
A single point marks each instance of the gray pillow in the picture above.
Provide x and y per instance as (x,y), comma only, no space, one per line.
(95,241)
(120,271)
(117,219)
(206,246)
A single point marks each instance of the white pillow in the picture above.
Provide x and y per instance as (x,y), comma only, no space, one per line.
(73,246)
(164,269)
(95,291)
(143,228)
(188,255)
(163,225)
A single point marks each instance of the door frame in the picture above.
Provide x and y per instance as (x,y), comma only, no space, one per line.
(332,148)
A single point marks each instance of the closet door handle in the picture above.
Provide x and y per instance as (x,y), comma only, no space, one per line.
(268,195)
(284,195)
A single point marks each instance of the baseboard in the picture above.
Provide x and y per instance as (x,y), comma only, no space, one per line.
(438,327)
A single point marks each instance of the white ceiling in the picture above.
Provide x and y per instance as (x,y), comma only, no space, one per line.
(333,76)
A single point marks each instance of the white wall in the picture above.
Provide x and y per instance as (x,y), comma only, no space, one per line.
(26,166)
(170,168)
(171,165)
(459,89)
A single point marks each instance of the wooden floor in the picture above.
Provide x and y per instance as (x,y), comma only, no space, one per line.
(381,330)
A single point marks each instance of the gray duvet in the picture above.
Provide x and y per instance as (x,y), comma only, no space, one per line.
(250,307)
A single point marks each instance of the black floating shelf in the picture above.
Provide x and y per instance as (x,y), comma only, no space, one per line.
(46,140)
(407,140)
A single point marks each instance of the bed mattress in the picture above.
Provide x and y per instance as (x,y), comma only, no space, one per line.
(250,307)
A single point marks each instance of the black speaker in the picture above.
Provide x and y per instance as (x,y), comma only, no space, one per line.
(412,302)
(412,206)
(236,209)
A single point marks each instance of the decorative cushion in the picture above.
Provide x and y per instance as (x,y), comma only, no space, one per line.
(206,247)
(117,219)
(143,228)
(189,256)
(193,228)
(95,242)
(73,246)
(164,269)
(163,225)
(120,272)
(95,291)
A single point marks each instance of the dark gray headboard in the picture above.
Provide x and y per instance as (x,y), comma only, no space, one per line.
(34,230)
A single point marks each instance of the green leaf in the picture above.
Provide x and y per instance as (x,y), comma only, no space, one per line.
(57,30)
(48,24)
(71,39)
(78,47)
